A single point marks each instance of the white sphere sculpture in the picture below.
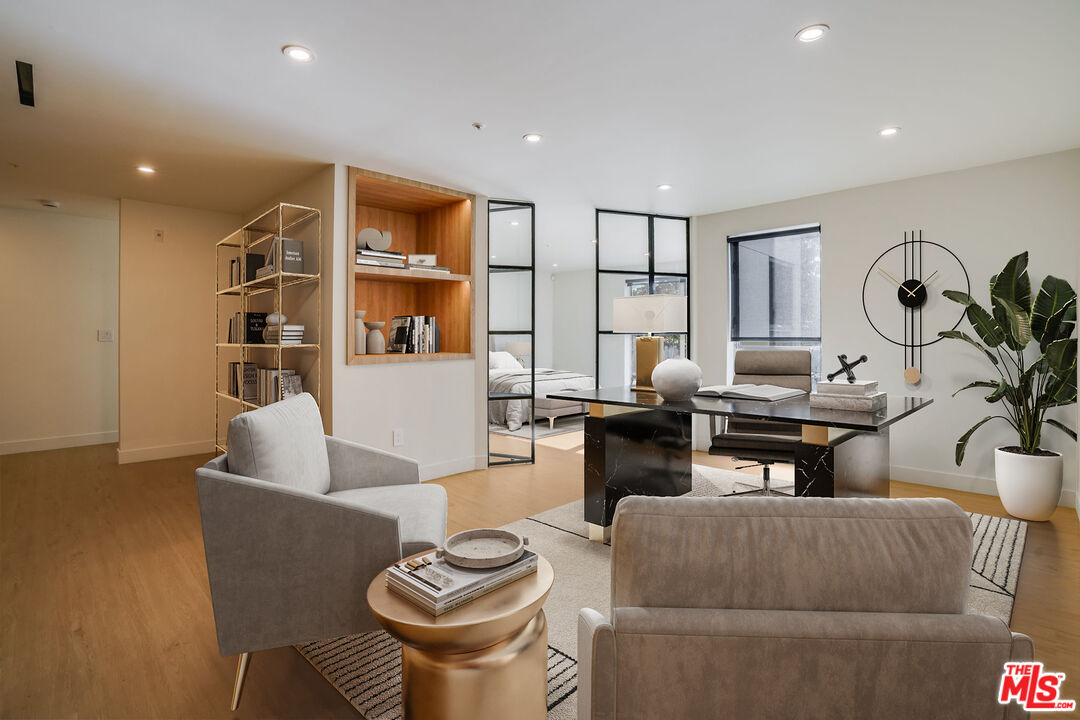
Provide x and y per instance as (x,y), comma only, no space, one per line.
(676,380)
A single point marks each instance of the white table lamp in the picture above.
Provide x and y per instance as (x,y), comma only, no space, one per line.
(648,314)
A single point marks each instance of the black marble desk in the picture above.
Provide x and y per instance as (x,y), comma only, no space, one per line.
(638,444)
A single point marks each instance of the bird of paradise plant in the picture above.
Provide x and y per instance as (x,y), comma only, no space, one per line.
(1027,388)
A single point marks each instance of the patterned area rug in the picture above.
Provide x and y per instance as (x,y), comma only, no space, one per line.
(366,668)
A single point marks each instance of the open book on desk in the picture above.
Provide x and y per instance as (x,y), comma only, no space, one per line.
(749,392)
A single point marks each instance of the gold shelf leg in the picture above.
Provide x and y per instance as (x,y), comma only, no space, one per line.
(241,673)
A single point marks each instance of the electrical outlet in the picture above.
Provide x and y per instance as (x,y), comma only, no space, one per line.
(399,437)
(104,335)
(159,235)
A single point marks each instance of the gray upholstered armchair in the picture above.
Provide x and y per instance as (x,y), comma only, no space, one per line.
(792,608)
(296,524)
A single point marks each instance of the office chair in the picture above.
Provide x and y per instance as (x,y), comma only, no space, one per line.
(763,442)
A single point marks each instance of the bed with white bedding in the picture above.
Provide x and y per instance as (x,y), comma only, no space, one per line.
(515,413)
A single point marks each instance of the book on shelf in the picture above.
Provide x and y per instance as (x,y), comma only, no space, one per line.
(438,587)
(432,268)
(379,262)
(270,384)
(253,262)
(243,375)
(384,254)
(292,255)
(414,334)
(291,385)
(254,322)
(858,388)
(769,393)
(264,271)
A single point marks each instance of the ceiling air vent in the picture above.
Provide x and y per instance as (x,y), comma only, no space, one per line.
(25,73)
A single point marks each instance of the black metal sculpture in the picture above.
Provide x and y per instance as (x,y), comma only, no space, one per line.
(846,367)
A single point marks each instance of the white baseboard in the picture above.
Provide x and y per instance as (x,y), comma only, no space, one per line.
(161,452)
(432,471)
(9,447)
(966,483)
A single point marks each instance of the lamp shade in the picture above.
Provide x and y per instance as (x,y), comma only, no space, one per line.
(649,314)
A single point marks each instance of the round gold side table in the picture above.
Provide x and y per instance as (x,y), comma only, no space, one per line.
(484,660)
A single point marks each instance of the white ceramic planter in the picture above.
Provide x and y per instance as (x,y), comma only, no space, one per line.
(1029,485)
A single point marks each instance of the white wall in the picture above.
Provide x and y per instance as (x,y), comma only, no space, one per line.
(545,314)
(573,321)
(60,287)
(985,215)
(166,329)
(439,405)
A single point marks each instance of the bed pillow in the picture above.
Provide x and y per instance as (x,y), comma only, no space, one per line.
(502,361)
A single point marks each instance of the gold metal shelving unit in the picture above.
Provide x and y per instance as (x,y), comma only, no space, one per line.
(295,295)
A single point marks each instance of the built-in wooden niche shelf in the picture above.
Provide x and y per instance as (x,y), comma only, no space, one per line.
(423,219)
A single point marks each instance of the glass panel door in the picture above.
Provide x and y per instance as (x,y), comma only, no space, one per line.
(511,324)
(637,254)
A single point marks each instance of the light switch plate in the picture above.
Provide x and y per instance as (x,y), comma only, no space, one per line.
(399,437)
(104,335)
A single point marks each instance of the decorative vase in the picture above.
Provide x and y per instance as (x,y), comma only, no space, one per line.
(376,343)
(1029,485)
(361,339)
(676,379)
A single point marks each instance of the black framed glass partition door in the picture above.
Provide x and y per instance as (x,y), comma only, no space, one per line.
(511,332)
(637,254)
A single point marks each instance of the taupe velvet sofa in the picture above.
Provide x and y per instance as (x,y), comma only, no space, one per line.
(296,524)
(792,608)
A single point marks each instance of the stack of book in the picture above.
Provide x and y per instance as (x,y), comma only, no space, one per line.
(380,258)
(272,385)
(414,334)
(245,375)
(426,261)
(438,587)
(292,257)
(859,396)
(287,334)
(254,322)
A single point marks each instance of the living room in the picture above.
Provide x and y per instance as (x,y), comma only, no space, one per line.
(268,249)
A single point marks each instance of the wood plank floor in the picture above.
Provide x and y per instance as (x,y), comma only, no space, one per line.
(105,609)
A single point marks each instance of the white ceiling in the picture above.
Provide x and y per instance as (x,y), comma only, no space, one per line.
(716,98)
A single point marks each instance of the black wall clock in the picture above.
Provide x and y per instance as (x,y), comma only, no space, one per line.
(902,296)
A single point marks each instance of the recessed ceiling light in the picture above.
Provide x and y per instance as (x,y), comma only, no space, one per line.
(492,257)
(554,264)
(812,33)
(298,53)
(146,169)
(531,137)
(515,223)
(889,131)
(664,186)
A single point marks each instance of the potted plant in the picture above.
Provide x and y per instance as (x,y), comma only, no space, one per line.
(1028,476)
